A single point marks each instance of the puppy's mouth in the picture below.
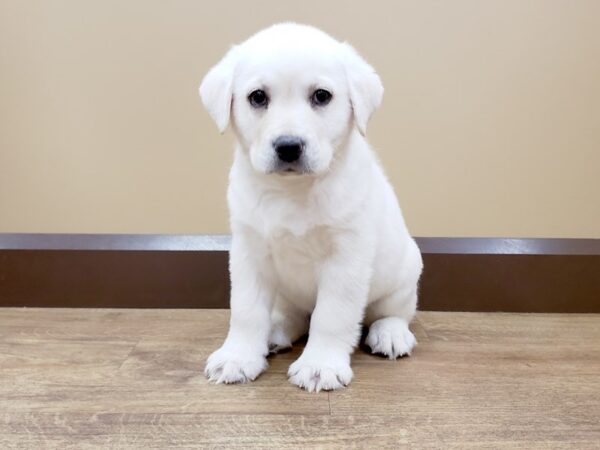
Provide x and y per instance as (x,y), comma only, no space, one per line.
(290,169)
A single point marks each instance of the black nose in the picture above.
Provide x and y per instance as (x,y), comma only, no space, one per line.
(288,148)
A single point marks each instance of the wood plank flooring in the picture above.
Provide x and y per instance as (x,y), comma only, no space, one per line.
(125,379)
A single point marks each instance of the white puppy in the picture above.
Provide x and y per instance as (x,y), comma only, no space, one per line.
(319,243)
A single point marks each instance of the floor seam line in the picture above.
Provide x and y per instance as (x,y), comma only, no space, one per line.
(129,354)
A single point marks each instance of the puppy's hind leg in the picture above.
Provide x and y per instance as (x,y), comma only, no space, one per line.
(288,324)
(388,320)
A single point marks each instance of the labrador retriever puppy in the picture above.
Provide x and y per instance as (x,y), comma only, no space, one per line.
(319,243)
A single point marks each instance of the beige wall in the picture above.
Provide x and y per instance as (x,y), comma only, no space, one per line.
(490,124)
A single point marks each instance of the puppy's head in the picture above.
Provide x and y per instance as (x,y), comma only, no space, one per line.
(293,94)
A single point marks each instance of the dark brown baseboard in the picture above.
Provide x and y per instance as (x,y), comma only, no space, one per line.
(173,271)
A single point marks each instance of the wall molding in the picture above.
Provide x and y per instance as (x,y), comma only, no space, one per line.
(190,271)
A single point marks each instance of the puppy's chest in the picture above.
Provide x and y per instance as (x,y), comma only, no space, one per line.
(297,259)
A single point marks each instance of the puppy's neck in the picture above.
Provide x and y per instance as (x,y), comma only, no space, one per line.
(299,204)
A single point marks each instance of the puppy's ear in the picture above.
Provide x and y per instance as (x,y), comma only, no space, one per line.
(216,89)
(366,90)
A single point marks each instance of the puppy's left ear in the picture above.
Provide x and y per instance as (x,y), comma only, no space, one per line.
(366,90)
(216,90)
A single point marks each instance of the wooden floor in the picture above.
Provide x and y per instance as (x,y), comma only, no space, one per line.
(76,379)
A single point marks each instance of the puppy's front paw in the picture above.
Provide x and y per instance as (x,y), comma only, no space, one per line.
(391,337)
(323,371)
(228,365)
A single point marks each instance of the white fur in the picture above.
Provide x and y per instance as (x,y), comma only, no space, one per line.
(329,244)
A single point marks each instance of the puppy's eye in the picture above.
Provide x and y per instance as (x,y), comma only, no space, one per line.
(320,97)
(258,99)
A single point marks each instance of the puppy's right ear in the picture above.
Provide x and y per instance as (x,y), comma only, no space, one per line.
(216,90)
(366,90)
